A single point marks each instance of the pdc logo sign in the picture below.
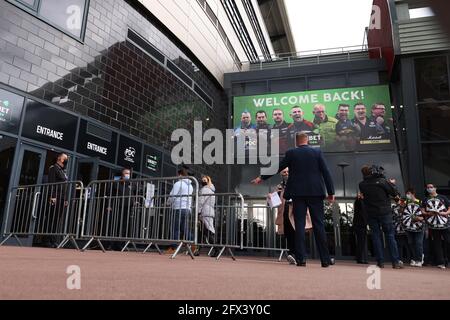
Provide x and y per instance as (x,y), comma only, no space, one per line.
(130,154)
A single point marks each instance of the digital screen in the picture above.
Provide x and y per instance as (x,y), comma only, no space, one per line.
(336,120)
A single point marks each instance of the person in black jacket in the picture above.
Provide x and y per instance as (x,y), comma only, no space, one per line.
(377,192)
(308,185)
(121,221)
(124,200)
(58,192)
(360,230)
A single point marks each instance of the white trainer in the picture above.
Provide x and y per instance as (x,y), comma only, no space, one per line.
(291,260)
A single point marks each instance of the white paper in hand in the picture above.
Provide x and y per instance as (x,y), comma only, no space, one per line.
(150,194)
(274,200)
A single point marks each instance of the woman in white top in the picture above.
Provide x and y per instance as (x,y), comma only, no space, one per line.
(206,205)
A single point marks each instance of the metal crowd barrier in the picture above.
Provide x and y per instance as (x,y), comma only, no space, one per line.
(260,231)
(124,214)
(220,223)
(49,212)
(149,211)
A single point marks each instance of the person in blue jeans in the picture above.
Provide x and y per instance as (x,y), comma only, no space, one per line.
(401,237)
(436,209)
(181,214)
(181,224)
(377,194)
(413,223)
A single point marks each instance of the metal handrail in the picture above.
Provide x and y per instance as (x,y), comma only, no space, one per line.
(333,50)
(33,210)
(318,53)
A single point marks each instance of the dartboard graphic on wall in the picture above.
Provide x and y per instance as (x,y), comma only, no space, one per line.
(437,221)
(411,212)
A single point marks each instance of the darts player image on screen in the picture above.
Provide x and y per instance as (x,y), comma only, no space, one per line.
(379,119)
(325,124)
(261,121)
(247,130)
(299,125)
(346,132)
(361,121)
(262,130)
(283,127)
(246,123)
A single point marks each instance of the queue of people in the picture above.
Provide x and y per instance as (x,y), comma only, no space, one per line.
(415,232)
(408,224)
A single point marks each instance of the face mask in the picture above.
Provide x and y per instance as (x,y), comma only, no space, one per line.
(409,197)
(126,177)
(65,163)
(204,183)
(431,190)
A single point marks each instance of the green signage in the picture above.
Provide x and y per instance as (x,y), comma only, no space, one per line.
(337,120)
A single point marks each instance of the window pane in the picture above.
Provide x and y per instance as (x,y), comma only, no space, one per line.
(28,3)
(7,149)
(421,13)
(436,158)
(432,79)
(66,14)
(435,121)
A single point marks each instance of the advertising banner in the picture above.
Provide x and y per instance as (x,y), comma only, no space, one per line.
(11,106)
(336,120)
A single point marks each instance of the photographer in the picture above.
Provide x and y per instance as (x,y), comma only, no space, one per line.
(377,192)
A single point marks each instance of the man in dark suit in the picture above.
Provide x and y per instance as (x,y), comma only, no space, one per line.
(56,213)
(308,176)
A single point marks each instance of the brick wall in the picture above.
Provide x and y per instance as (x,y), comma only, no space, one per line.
(107,78)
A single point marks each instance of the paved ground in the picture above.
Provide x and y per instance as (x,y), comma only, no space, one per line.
(41,274)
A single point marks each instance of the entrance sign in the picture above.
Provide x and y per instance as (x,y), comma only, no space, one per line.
(49,125)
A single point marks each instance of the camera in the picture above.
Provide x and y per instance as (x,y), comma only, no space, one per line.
(377,172)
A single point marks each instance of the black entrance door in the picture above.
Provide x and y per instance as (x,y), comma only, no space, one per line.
(90,169)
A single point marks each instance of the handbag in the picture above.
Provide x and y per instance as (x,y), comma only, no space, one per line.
(308,224)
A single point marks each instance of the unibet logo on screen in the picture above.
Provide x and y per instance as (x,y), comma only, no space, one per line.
(5,111)
(336,120)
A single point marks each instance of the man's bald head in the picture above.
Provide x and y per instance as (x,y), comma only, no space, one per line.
(302,139)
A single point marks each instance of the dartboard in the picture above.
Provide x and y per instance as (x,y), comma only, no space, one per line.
(437,221)
(397,215)
(411,212)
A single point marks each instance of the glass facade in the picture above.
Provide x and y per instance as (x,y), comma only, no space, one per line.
(66,15)
(434,121)
(433,96)
(7,150)
(111,80)
(436,158)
